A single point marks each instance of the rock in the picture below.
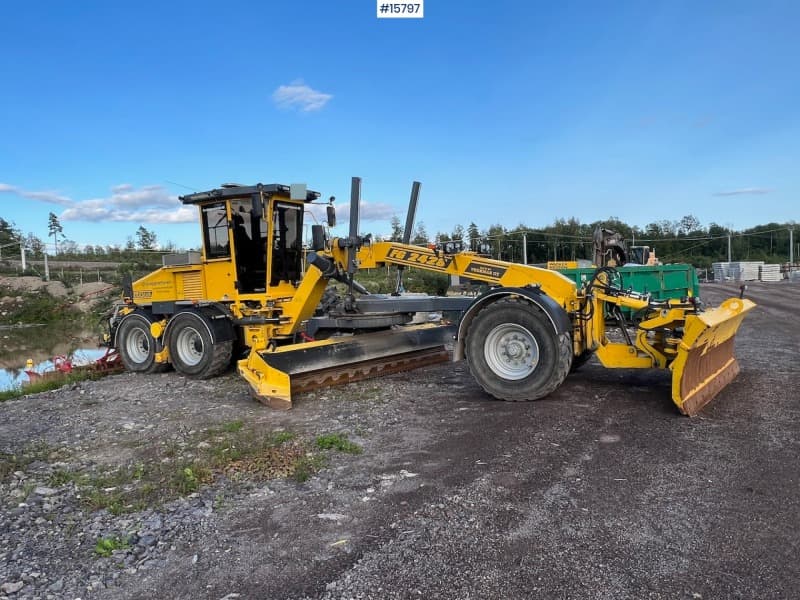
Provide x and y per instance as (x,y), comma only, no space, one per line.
(332,517)
(11,588)
(154,523)
(56,586)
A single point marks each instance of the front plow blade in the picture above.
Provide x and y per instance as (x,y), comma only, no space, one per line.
(705,362)
(275,376)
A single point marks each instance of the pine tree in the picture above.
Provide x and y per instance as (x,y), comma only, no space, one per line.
(54,228)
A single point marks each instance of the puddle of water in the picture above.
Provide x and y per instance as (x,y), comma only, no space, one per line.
(15,377)
(41,345)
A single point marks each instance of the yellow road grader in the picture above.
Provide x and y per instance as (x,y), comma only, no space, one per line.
(255,297)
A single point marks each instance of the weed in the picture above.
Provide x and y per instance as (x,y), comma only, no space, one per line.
(306,466)
(282,437)
(233,426)
(106,546)
(63,477)
(231,450)
(337,441)
(27,489)
(138,472)
(189,479)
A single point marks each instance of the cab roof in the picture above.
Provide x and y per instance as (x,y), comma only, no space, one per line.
(232,191)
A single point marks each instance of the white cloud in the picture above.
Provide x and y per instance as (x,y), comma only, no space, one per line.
(148,204)
(370,211)
(297,95)
(50,197)
(90,211)
(743,191)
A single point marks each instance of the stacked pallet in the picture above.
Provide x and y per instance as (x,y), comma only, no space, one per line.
(745,271)
(722,271)
(770,273)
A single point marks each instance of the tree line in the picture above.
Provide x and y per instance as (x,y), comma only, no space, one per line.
(11,238)
(683,241)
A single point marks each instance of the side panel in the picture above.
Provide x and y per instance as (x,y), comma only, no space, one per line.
(661,281)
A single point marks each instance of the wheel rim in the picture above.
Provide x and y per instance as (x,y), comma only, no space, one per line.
(189,346)
(511,351)
(137,345)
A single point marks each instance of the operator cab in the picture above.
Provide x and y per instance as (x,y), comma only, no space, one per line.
(259,227)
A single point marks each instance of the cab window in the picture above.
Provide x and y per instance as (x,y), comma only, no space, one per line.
(215,231)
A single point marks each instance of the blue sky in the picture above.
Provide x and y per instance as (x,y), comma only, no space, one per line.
(508,112)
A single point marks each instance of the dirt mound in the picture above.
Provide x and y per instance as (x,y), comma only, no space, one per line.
(31,284)
(89,294)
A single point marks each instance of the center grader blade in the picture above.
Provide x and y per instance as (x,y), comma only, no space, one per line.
(275,376)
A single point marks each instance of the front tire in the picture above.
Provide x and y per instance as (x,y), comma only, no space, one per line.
(192,348)
(514,353)
(136,345)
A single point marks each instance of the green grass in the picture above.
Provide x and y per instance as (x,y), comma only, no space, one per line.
(230,450)
(233,426)
(307,465)
(337,441)
(106,546)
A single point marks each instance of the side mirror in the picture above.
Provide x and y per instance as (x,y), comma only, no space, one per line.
(331,214)
(318,239)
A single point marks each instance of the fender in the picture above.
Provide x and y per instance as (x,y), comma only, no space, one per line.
(217,323)
(138,312)
(558,317)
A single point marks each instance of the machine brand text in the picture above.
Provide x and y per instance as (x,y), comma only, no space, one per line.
(409,257)
(476,268)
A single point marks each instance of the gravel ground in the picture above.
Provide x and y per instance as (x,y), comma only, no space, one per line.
(600,491)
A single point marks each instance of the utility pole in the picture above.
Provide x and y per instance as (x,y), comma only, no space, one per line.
(729,245)
(791,247)
(22,256)
(524,248)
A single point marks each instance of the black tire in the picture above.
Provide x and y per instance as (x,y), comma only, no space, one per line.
(136,345)
(192,348)
(514,353)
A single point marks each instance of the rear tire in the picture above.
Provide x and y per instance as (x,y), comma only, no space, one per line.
(514,353)
(136,345)
(192,348)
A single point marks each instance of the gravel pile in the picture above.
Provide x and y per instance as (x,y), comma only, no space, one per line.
(49,540)
(54,544)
